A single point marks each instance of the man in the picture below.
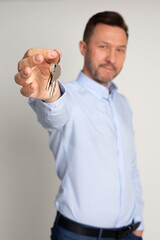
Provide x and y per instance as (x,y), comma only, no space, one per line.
(91,135)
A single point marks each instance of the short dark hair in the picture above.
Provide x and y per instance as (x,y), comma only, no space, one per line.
(108,18)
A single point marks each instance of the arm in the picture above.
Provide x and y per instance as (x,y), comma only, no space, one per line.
(138,196)
(136,185)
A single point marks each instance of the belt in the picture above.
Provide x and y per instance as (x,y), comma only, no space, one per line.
(95,232)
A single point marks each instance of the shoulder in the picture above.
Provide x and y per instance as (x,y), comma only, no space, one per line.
(70,85)
(73,88)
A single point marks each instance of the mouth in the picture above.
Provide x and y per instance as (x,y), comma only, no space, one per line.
(108,67)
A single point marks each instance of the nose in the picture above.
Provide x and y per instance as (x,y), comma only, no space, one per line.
(111,56)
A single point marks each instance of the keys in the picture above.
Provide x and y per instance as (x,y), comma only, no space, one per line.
(55,71)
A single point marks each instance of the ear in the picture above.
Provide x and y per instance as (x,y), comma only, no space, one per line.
(82,47)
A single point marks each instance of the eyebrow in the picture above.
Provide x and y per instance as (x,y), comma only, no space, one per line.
(107,43)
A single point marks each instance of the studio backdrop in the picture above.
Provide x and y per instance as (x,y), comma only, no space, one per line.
(28,182)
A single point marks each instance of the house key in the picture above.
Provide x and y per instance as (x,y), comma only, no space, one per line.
(55,71)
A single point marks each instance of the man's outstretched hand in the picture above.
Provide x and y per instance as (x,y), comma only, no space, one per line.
(33,73)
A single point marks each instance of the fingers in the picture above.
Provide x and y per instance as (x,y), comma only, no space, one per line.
(48,54)
(22,78)
(58,57)
(35,56)
(28,90)
(30,62)
(34,67)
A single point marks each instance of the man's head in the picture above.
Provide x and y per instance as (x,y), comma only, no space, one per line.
(108,18)
(104,46)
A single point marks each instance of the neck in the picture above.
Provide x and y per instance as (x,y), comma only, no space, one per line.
(105,84)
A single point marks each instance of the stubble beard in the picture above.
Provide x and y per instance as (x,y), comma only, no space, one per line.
(95,74)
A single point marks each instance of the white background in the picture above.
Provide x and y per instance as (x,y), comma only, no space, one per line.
(28,183)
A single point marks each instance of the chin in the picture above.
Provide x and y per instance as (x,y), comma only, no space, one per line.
(105,79)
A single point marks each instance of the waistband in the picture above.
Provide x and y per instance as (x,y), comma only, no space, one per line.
(84,230)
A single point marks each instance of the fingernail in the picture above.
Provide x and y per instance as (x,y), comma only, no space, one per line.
(52,53)
(25,72)
(37,58)
(30,86)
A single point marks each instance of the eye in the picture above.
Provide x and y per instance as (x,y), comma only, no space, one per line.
(120,50)
(103,46)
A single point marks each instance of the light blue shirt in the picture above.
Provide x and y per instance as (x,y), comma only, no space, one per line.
(92,139)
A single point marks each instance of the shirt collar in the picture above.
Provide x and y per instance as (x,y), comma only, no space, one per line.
(97,89)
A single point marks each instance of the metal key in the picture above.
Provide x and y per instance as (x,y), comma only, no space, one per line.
(49,82)
(55,71)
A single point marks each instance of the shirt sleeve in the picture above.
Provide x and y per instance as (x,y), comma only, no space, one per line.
(52,115)
(138,195)
(137,188)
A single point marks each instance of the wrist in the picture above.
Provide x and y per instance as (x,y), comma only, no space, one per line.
(56,95)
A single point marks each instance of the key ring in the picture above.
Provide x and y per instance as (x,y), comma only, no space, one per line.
(58,56)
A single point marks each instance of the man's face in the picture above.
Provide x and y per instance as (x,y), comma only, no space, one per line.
(104,54)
